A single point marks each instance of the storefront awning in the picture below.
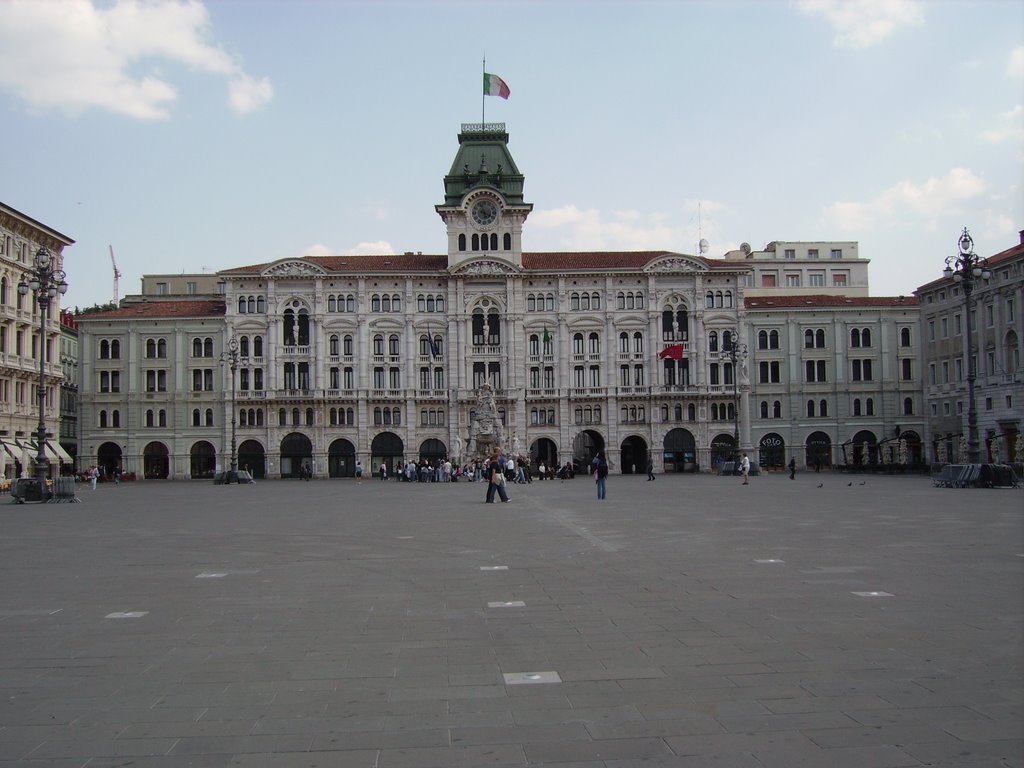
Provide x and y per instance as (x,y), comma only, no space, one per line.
(63,456)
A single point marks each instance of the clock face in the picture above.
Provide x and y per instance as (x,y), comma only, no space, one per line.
(485,212)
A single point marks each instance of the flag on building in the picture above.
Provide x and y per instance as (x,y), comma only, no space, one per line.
(435,348)
(673,352)
(495,86)
(547,336)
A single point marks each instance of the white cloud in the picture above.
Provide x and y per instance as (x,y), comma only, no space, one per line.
(930,200)
(1010,126)
(863,23)
(364,248)
(1015,67)
(74,55)
(575,229)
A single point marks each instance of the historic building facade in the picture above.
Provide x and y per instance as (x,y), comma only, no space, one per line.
(647,355)
(997,330)
(21,237)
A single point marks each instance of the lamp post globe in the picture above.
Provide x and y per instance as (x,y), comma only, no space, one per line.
(44,282)
(967,269)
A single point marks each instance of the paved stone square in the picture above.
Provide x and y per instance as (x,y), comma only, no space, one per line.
(855,622)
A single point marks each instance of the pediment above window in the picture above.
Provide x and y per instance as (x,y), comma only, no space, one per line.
(485,267)
(294,268)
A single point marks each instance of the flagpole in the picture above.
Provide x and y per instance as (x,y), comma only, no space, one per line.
(483,96)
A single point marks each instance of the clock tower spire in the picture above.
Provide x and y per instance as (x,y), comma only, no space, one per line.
(483,198)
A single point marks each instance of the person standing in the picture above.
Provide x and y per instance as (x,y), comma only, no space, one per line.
(359,472)
(745,468)
(94,475)
(600,474)
(792,468)
(650,470)
(383,471)
(495,479)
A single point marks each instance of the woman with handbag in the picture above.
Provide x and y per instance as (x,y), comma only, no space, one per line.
(495,478)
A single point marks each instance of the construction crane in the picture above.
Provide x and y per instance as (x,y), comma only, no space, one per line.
(117,274)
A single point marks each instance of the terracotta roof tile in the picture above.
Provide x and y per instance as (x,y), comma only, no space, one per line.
(421,262)
(819,300)
(160,309)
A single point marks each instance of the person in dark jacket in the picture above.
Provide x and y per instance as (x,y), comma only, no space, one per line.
(600,474)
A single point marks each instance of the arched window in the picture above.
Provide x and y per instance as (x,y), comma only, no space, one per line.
(823,408)
(709,300)
(869,407)
(209,417)
(808,339)
(150,421)
(855,337)
(295,417)
(762,341)
(103,419)
(335,345)
(908,406)
(115,419)
(208,347)
(261,305)
(257,346)
(150,347)
(494,241)
(594,345)
(764,409)
(856,406)
(507,241)
(243,346)
(309,417)
(691,412)
(393,345)
(777,410)
(282,417)
(713,341)
(773,340)
(810,408)
(728,299)
(378,344)
(332,303)
(241,305)
(252,304)
(865,337)
(624,343)
(904,337)
(195,418)
(197,347)
(577,343)
(819,338)
(462,242)
(476,242)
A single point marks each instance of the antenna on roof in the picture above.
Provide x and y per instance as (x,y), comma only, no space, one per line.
(117,274)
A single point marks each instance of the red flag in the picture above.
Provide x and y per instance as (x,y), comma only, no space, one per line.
(674,351)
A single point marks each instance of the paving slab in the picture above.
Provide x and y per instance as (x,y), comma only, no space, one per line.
(689,622)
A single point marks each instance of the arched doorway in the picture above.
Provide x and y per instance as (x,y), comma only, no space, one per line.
(156,463)
(585,447)
(341,459)
(772,453)
(915,454)
(862,450)
(432,451)
(203,460)
(108,457)
(679,451)
(633,455)
(543,451)
(253,459)
(296,454)
(386,447)
(723,449)
(818,451)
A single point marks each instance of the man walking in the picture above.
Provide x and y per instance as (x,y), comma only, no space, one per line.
(650,470)
(792,468)
(745,468)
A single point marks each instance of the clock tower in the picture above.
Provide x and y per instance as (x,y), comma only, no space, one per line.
(483,199)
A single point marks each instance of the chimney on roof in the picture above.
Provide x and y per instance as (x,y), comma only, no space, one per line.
(1022,237)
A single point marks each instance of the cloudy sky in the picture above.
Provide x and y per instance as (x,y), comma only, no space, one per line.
(196,136)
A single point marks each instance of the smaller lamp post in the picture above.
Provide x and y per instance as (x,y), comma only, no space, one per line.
(230,356)
(735,353)
(45,282)
(967,269)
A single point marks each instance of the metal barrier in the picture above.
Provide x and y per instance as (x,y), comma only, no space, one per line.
(64,491)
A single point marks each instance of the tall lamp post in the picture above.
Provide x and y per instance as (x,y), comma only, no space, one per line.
(966,268)
(735,353)
(230,356)
(45,281)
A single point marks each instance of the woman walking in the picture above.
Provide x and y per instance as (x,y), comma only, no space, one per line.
(600,473)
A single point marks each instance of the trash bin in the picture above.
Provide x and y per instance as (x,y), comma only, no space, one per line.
(28,489)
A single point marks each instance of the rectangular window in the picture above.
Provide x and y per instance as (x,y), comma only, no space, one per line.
(839,280)
(161,289)
(990,315)
(191,288)
(957,330)
(790,253)
(816,279)
(812,253)
(945,372)
(1010,317)
(768,281)
(792,281)
(944,323)
(945,409)
(837,253)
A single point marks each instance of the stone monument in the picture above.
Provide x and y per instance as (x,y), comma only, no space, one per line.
(485,427)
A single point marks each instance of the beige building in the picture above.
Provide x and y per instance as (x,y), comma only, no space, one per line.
(21,344)
(997,330)
(381,359)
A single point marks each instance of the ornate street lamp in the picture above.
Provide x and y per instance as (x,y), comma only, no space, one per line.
(44,282)
(230,356)
(735,353)
(966,268)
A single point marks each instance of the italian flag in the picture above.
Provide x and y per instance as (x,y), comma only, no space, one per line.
(495,86)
